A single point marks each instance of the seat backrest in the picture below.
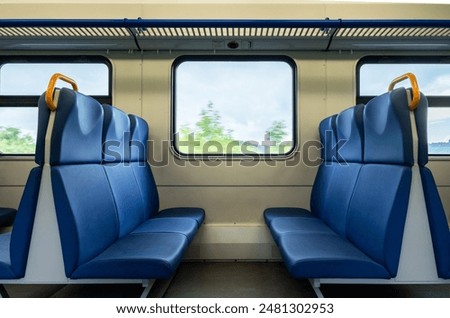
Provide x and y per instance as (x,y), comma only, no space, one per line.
(320,189)
(23,224)
(377,211)
(116,162)
(342,161)
(140,165)
(85,205)
(21,233)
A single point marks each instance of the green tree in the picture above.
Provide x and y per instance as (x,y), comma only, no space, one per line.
(210,128)
(13,141)
(277,131)
(208,136)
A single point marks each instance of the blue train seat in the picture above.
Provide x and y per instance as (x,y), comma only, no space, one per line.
(327,131)
(335,180)
(358,228)
(146,181)
(14,246)
(132,203)
(97,198)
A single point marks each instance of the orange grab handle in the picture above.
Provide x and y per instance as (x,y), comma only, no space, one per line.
(415,88)
(49,98)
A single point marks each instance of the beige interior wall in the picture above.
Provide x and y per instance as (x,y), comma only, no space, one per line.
(234,196)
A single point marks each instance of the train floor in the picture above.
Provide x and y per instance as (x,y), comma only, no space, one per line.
(230,280)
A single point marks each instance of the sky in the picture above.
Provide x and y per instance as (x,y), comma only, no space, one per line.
(32,79)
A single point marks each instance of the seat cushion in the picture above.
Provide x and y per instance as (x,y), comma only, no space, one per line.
(139,255)
(273,213)
(185,226)
(325,255)
(198,214)
(280,226)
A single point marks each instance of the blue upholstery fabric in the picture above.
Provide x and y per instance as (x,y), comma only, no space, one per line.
(146,181)
(141,256)
(377,213)
(116,155)
(129,199)
(86,211)
(23,224)
(14,246)
(275,213)
(350,134)
(325,255)
(140,166)
(77,132)
(387,129)
(327,132)
(116,136)
(282,225)
(197,214)
(328,139)
(182,225)
(321,186)
(334,185)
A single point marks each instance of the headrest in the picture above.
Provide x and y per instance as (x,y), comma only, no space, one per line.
(77,130)
(139,137)
(116,135)
(421,116)
(387,129)
(350,134)
(327,132)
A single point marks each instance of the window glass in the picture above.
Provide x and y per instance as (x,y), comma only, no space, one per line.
(234,106)
(433,76)
(24,79)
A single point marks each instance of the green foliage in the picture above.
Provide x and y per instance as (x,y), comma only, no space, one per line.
(277,131)
(210,136)
(210,128)
(13,141)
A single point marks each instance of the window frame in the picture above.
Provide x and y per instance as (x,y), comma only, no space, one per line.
(433,100)
(27,101)
(230,156)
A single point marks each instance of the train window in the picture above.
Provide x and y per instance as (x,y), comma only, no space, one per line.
(24,78)
(433,75)
(233,106)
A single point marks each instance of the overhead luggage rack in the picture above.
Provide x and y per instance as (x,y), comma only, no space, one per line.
(207,35)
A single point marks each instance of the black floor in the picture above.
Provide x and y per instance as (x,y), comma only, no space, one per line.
(230,280)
